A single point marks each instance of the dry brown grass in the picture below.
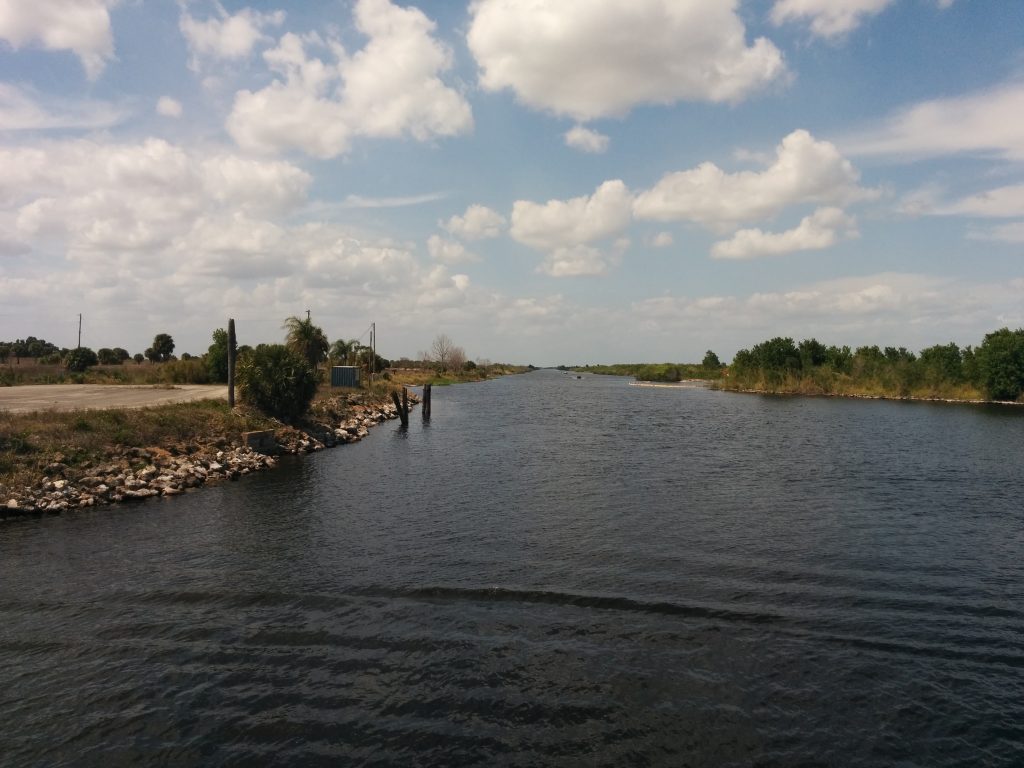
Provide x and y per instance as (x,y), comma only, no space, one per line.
(173,372)
(31,441)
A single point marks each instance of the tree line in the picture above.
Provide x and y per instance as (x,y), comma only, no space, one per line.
(80,358)
(993,370)
(279,379)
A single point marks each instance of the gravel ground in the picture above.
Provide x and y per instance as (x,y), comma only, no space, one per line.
(76,397)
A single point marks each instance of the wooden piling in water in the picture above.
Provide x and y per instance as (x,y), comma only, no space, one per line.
(402,406)
(425,405)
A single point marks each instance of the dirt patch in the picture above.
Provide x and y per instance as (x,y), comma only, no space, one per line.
(77,397)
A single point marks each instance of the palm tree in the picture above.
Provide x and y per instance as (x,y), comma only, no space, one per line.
(345,351)
(306,339)
(340,350)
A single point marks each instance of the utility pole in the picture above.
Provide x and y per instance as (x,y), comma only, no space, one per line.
(231,362)
(79,330)
(373,350)
(307,315)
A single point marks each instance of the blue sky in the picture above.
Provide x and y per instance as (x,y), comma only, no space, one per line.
(574,181)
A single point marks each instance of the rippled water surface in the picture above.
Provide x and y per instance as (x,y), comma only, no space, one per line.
(553,572)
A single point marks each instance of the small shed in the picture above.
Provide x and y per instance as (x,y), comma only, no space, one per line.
(344,376)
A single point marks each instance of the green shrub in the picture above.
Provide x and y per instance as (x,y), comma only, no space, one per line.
(163,347)
(1001,364)
(276,380)
(107,356)
(217,357)
(80,359)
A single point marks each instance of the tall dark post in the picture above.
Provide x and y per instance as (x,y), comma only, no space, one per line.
(403,412)
(425,407)
(231,363)
(405,405)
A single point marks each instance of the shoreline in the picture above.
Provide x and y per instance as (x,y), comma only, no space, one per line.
(681,384)
(705,384)
(856,396)
(133,474)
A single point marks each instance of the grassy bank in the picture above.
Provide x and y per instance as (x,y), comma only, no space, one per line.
(417,377)
(840,385)
(31,442)
(661,372)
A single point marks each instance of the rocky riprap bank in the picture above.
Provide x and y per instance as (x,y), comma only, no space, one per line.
(136,474)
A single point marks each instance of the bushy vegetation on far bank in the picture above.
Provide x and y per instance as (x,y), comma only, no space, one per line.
(709,369)
(662,372)
(992,371)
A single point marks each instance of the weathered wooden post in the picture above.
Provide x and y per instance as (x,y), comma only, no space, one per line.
(405,405)
(403,413)
(425,406)
(231,363)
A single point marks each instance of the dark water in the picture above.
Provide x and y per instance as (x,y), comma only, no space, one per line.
(554,572)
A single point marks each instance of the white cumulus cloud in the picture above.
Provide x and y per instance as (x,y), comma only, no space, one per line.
(832,19)
(879,308)
(229,37)
(565,229)
(79,26)
(476,223)
(168,107)
(24,109)
(102,199)
(149,236)
(438,288)
(1001,202)
(586,140)
(388,89)
(449,251)
(985,122)
(827,18)
(805,170)
(599,58)
(575,261)
(567,223)
(822,229)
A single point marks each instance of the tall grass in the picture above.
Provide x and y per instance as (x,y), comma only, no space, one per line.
(172,372)
(824,381)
